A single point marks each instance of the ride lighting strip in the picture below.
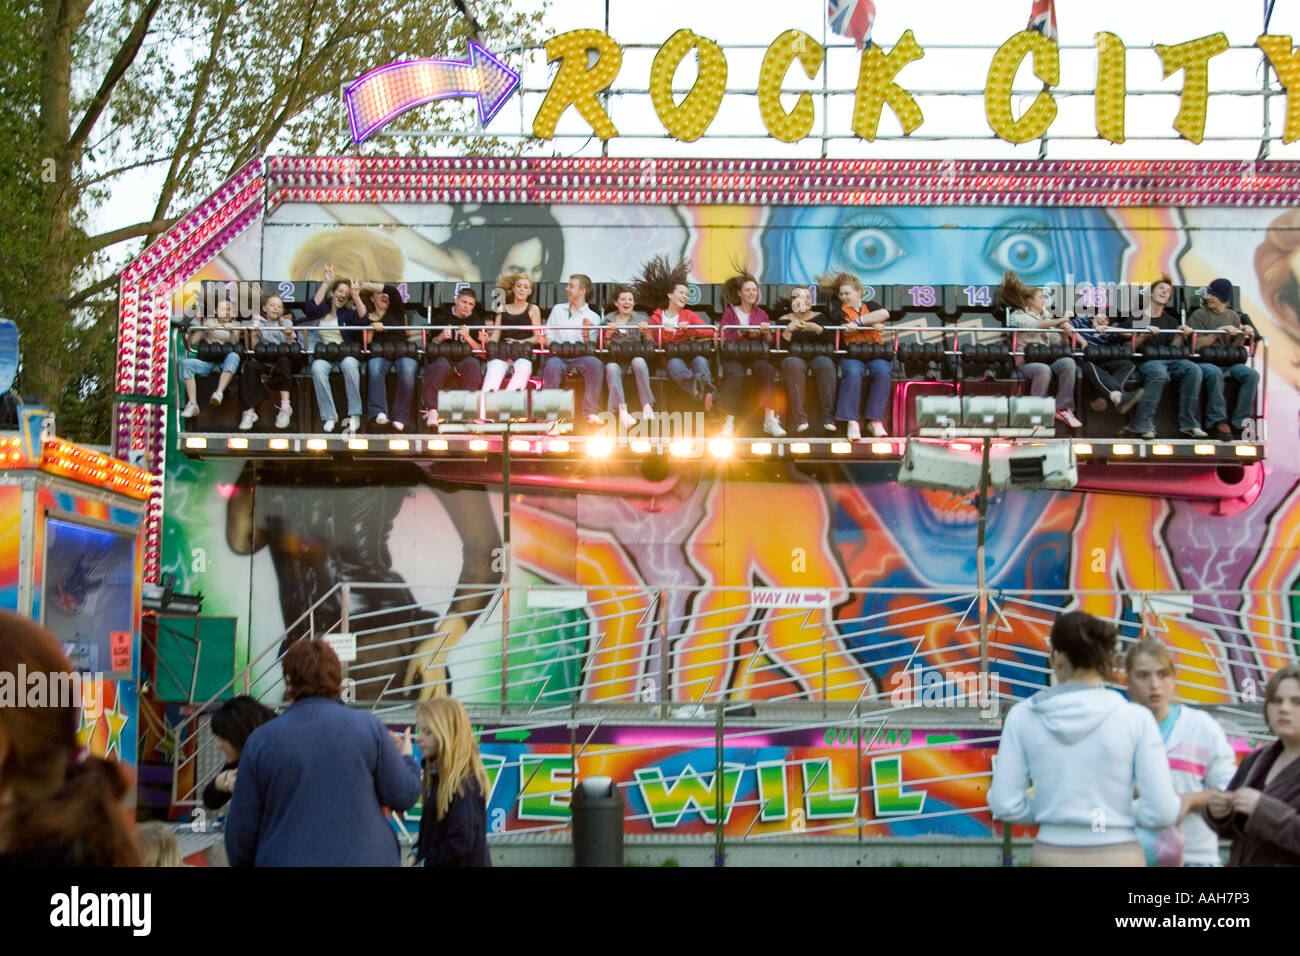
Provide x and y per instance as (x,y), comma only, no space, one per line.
(783,182)
(703,449)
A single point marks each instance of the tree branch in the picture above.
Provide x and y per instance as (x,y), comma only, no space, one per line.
(125,57)
(79,298)
(105,239)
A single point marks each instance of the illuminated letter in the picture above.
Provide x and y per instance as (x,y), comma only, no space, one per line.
(793,126)
(1002,74)
(577,82)
(876,87)
(891,798)
(547,783)
(1287,64)
(819,792)
(1193,57)
(1108,99)
(688,120)
(689,792)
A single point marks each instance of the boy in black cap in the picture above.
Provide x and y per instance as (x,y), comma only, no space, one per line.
(1231,329)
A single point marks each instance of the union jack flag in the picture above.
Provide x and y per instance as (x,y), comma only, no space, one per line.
(852,18)
(1042,17)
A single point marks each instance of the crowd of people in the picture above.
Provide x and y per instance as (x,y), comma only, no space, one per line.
(847,348)
(1109,781)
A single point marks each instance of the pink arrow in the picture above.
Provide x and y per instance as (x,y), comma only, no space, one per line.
(382,94)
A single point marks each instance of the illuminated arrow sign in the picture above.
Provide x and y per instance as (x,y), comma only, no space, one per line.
(382,94)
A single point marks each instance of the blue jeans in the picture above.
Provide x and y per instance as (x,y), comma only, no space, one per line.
(436,373)
(1039,377)
(794,370)
(191,367)
(377,372)
(1216,406)
(320,378)
(592,371)
(733,380)
(686,377)
(852,372)
(1155,376)
(614,379)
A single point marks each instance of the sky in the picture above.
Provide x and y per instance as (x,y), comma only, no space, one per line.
(959,38)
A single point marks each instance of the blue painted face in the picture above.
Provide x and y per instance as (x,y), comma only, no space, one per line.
(941,245)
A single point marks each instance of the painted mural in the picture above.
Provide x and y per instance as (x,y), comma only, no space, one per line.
(265,542)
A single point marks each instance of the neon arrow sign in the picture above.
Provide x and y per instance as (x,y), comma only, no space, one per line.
(382,94)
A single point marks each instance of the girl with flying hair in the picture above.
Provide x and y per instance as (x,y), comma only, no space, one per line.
(453,824)
(665,287)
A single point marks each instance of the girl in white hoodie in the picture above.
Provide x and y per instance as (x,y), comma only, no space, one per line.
(1084,749)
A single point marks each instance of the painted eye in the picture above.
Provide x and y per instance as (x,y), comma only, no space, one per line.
(872,248)
(1019,251)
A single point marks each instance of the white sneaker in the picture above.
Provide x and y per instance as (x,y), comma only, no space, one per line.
(327,425)
(877,430)
(381,419)
(803,427)
(853,431)
(772,425)
(728,426)
(398,426)
(647,411)
(249,419)
(191,410)
(217,397)
(431,418)
(351,425)
(1115,398)
(284,416)
(625,417)
(1067,416)
(828,427)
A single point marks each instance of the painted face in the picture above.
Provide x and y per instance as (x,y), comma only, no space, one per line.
(524,258)
(800,299)
(464,306)
(1283,711)
(679,296)
(1161,293)
(273,308)
(575,291)
(1151,682)
(342,293)
(427,739)
(624,303)
(850,297)
(523,288)
(749,296)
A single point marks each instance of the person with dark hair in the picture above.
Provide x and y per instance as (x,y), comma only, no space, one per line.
(231,724)
(469,368)
(314,782)
(1162,321)
(1228,328)
(1027,309)
(256,376)
(453,820)
(862,323)
(665,286)
(57,807)
(336,322)
(572,322)
(626,324)
(743,310)
(1260,810)
(489,241)
(805,331)
(1086,750)
(388,321)
(1200,758)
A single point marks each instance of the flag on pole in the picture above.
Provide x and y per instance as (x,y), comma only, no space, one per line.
(852,18)
(1042,17)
